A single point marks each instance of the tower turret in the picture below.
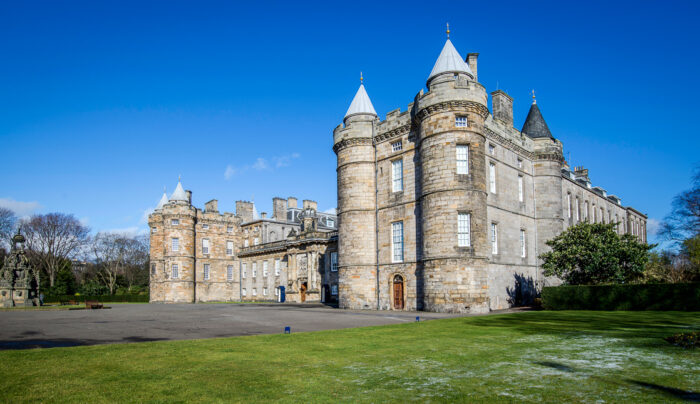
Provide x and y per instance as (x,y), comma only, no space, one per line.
(353,145)
(450,119)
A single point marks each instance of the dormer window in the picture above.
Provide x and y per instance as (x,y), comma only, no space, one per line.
(330,223)
(461,121)
(396,146)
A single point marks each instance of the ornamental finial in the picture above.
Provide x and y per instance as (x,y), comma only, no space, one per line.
(448,30)
(534,100)
(362,79)
(179,178)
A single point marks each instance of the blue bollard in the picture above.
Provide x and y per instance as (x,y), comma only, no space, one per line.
(417,318)
(287,330)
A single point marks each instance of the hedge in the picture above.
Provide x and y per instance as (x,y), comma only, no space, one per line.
(101,298)
(672,296)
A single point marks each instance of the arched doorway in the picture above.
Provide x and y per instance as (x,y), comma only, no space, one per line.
(398,285)
(302,292)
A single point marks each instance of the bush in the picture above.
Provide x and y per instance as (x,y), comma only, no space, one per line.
(677,296)
(101,298)
(685,339)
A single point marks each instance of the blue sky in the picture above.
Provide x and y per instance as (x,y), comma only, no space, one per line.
(104,103)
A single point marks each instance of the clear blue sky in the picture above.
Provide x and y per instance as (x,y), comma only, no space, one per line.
(104,103)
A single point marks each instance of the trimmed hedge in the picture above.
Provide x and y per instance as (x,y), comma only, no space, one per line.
(100,298)
(671,296)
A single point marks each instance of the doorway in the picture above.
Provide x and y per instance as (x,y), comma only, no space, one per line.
(398,292)
(302,292)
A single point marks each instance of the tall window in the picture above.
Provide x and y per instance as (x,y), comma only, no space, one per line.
(229,273)
(153,269)
(494,238)
(334,290)
(585,211)
(176,244)
(396,146)
(464,229)
(492,149)
(334,262)
(578,209)
(277,267)
(205,246)
(256,241)
(520,188)
(175,273)
(255,269)
(229,248)
(461,121)
(255,292)
(245,243)
(206,272)
(397,175)
(523,250)
(243,270)
(397,241)
(492,177)
(520,163)
(595,214)
(568,205)
(244,292)
(265,268)
(462,159)
(264,291)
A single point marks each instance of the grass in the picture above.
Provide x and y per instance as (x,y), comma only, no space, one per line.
(524,357)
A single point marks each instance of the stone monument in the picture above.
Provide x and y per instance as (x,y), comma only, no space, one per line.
(19,282)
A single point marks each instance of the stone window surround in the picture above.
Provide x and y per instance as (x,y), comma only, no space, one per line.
(461,121)
(395,243)
(206,269)
(229,251)
(492,176)
(523,243)
(229,273)
(397,146)
(396,177)
(468,230)
(494,238)
(465,160)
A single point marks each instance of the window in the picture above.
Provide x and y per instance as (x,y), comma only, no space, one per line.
(396,146)
(595,214)
(229,273)
(494,238)
(602,215)
(205,226)
(255,292)
(206,272)
(330,223)
(155,230)
(205,246)
(264,291)
(245,243)
(229,229)
(244,292)
(492,177)
(153,269)
(464,230)
(462,159)
(523,251)
(255,269)
(397,241)
(492,149)
(568,205)
(243,270)
(229,248)
(175,222)
(265,268)
(334,261)
(520,188)
(520,163)
(176,244)
(256,241)
(277,291)
(277,267)
(397,175)
(334,290)
(578,209)
(585,211)
(175,274)
(461,121)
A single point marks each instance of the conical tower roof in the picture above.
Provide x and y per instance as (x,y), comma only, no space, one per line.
(179,194)
(163,201)
(535,126)
(450,61)
(361,104)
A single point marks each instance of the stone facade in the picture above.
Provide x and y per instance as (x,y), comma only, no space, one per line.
(204,255)
(514,184)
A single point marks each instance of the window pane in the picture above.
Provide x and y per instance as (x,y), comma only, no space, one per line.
(463,230)
(397,241)
(397,175)
(462,159)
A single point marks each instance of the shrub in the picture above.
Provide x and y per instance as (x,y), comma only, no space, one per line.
(678,296)
(101,298)
(685,339)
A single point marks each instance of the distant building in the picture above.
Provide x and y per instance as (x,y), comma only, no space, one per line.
(443,207)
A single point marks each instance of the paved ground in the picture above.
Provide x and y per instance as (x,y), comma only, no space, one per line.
(155,322)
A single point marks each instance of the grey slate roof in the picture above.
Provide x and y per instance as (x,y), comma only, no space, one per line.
(535,126)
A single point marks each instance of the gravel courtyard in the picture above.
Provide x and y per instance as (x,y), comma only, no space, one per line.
(124,323)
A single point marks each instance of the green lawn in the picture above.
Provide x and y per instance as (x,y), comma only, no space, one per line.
(524,357)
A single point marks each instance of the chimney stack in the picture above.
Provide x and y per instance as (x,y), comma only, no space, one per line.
(310,204)
(279,209)
(189,196)
(244,210)
(471,61)
(502,105)
(292,202)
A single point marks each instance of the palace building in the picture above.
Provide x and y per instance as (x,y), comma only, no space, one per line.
(442,207)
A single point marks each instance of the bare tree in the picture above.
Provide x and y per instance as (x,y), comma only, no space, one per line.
(684,220)
(53,238)
(8,219)
(136,269)
(117,254)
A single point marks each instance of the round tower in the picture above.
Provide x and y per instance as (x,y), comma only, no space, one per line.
(352,143)
(450,120)
(176,275)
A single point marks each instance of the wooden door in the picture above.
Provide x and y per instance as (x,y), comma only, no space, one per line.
(398,292)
